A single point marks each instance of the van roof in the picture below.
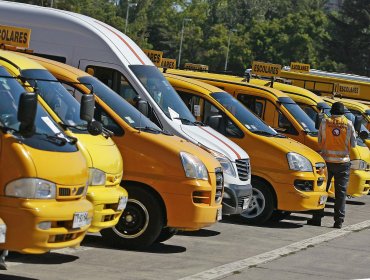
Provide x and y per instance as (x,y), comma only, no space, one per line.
(21,61)
(239,81)
(50,25)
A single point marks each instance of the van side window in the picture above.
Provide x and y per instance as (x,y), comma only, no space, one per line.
(118,82)
(73,91)
(256,105)
(285,125)
(107,121)
(204,111)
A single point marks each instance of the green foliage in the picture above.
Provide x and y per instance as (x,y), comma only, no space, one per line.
(276,31)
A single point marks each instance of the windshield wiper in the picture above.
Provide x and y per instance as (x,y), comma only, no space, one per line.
(81,127)
(186,121)
(262,132)
(148,129)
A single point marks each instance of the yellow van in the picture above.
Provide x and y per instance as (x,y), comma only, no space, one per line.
(103,157)
(278,109)
(277,183)
(43,177)
(312,104)
(172,183)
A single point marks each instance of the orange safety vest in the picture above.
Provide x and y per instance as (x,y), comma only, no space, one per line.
(335,139)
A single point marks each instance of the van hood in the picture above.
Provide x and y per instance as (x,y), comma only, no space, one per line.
(214,140)
(103,152)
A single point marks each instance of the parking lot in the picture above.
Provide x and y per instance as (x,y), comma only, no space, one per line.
(289,249)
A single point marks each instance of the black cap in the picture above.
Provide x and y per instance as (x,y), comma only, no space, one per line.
(337,109)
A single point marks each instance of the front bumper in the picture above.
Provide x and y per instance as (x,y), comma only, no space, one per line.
(236,198)
(105,200)
(22,217)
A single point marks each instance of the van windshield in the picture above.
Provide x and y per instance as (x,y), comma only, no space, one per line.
(120,106)
(243,115)
(163,93)
(48,136)
(56,96)
(302,118)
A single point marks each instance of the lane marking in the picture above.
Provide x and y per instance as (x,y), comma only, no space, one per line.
(228,269)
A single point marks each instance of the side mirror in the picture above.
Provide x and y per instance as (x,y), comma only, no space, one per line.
(143,107)
(358,123)
(214,121)
(318,120)
(363,135)
(95,128)
(87,107)
(27,109)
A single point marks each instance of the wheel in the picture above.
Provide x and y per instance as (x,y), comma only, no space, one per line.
(166,234)
(279,215)
(140,223)
(261,205)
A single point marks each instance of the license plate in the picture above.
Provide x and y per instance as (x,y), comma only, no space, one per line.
(80,219)
(122,203)
(246,203)
(323,199)
(219,214)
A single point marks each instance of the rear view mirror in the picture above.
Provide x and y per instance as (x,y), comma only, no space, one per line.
(87,107)
(143,107)
(363,135)
(27,109)
(358,123)
(95,128)
(318,121)
(214,121)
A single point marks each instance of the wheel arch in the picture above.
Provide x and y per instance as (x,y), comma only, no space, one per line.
(271,188)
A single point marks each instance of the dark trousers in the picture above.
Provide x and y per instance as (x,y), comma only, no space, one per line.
(340,172)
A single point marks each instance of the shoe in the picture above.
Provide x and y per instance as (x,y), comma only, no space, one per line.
(3,265)
(337,225)
(314,222)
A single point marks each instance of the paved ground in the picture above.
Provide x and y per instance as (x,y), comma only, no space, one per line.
(229,250)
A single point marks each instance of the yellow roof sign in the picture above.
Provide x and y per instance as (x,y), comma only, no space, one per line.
(15,36)
(299,67)
(168,63)
(154,56)
(347,89)
(265,69)
(196,67)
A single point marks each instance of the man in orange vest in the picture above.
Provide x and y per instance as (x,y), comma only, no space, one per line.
(336,137)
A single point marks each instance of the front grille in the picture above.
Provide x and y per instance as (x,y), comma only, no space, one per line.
(219,185)
(66,192)
(243,167)
(319,166)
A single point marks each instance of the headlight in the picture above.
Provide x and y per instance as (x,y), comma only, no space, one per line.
(96,177)
(358,164)
(299,162)
(226,164)
(31,188)
(193,166)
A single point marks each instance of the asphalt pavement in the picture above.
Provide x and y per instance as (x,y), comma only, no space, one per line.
(231,249)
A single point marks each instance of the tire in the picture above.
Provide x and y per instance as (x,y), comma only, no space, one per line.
(166,234)
(262,204)
(279,215)
(140,223)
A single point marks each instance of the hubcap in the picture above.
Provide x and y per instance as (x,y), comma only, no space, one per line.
(133,221)
(256,205)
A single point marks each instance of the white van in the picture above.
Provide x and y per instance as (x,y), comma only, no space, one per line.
(115,59)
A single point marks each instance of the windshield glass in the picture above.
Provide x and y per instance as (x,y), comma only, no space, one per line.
(125,110)
(162,93)
(56,96)
(10,92)
(243,115)
(303,119)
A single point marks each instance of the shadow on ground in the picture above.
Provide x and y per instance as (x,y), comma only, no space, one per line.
(199,233)
(47,258)
(14,277)
(355,202)
(156,248)
(269,224)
